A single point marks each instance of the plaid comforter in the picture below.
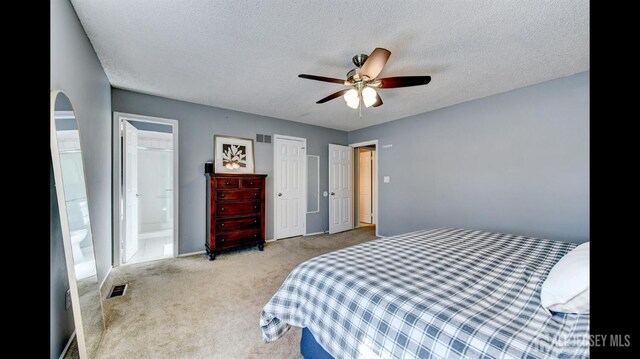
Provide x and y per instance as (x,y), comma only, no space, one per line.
(446,292)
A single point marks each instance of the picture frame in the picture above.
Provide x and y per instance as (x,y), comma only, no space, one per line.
(233,154)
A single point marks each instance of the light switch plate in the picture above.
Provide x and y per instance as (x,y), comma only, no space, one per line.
(386,179)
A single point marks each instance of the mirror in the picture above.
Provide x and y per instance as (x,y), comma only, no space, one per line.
(313,184)
(68,170)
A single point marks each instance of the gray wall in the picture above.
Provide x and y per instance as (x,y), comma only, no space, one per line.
(75,69)
(197,125)
(516,162)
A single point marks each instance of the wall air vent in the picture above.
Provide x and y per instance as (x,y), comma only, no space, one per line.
(263,138)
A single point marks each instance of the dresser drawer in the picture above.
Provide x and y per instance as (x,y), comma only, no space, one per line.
(227,182)
(237,238)
(251,182)
(237,209)
(233,224)
(238,194)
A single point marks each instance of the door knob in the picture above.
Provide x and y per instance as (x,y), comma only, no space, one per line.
(138,194)
(279,194)
(333,193)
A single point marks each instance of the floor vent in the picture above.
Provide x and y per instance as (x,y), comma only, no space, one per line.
(118,290)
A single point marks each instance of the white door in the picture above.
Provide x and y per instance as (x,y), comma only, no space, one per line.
(340,188)
(290,186)
(130,166)
(365,186)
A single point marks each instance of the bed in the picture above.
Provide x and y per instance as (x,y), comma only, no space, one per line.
(446,292)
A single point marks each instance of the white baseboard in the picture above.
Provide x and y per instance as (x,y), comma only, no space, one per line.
(313,234)
(271,240)
(190,254)
(106,276)
(66,347)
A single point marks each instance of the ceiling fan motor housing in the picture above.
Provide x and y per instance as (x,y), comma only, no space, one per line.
(354,74)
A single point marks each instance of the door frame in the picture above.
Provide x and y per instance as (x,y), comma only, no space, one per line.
(376,169)
(118,211)
(275,184)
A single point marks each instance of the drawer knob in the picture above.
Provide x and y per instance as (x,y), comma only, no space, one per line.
(250,182)
(222,225)
(221,239)
(255,207)
(222,209)
(255,235)
(222,195)
(255,194)
(227,183)
(255,221)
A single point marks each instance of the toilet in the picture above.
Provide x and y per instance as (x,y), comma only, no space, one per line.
(76,237)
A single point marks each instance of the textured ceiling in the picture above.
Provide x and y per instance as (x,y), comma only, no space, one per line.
(245,55)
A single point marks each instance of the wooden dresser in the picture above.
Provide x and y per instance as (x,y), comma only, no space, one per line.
(235,212)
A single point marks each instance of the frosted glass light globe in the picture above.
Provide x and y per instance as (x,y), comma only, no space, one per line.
(368,96)
(354,104)
(351,96)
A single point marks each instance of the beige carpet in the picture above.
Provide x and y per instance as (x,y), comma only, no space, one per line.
(192,308)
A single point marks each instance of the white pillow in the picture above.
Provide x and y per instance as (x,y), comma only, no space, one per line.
(566,289)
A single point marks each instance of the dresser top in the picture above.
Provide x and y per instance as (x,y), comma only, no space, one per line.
(243,175)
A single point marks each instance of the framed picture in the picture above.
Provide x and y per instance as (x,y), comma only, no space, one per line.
(233,154)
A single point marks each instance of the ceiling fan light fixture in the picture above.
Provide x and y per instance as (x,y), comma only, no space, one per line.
(351,96)
(369,96)
(354,103)
(363,81)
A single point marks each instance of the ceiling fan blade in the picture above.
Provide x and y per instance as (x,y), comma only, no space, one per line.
(378,101)
(403,81)
(322,78)
(333,95)
(374,64)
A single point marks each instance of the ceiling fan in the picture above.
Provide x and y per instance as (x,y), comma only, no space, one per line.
(363,80)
